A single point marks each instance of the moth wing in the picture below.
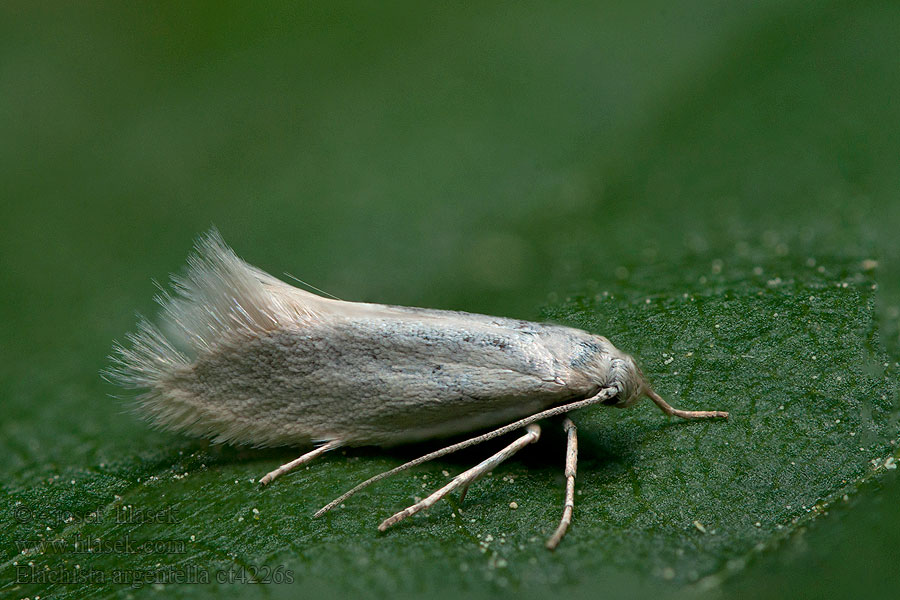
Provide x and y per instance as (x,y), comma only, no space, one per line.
(218,299)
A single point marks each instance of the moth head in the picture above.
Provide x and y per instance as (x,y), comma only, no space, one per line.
(618,381)
(626,376)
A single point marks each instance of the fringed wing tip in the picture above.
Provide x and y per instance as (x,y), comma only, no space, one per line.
(147,358)
(205,306)
(218,299)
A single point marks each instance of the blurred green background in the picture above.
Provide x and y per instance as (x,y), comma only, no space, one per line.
(649,172)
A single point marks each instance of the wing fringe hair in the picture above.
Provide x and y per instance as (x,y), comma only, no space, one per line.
(220,298)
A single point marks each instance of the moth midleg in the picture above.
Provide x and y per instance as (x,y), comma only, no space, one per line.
(467,477)
(571,466)
(288,467)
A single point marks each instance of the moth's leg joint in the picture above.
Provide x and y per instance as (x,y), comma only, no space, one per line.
(571,467)
(533,433)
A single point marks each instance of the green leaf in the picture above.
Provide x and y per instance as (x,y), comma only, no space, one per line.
(712,187)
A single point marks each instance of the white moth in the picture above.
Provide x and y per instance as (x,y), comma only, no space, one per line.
(248,359)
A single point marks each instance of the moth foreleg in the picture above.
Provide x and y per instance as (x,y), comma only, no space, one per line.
(467,477)
(288,467)
(571,465)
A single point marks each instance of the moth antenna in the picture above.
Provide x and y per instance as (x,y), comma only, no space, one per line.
(684,414)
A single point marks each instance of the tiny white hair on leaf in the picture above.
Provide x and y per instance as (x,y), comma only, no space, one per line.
(243,357)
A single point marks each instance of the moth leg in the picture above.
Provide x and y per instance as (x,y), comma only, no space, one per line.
(462,494)
(571,463)
(288,467)
(467,477)
(602,396)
